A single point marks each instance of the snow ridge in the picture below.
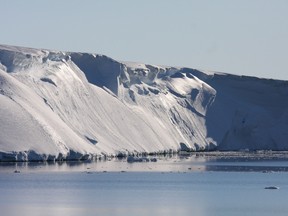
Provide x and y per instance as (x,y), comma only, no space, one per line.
(73,106)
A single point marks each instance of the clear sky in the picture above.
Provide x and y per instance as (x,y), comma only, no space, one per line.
(248,37)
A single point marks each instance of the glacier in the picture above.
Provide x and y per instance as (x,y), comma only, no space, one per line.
(74,106)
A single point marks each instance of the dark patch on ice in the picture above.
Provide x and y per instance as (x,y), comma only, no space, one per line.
(126,84)
(48,80)
(142,91)
(93,141)
(34,156)
(76,156)
(184,147)
(177,75)
(194,93)
(176,93)
(8,156)
(192,109)
(100,70)
(46,102)
(6,59)
(189,75)
(154,90)
(132,95)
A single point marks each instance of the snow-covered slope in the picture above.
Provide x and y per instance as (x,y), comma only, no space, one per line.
(65,105)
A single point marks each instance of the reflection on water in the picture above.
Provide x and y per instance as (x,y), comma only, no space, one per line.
(213,161)
(178,185)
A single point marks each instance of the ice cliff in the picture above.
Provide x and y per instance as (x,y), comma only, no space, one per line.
(67,105)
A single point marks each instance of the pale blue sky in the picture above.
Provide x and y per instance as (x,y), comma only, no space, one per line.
(248,37)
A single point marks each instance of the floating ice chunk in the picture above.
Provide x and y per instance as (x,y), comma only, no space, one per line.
(272,188)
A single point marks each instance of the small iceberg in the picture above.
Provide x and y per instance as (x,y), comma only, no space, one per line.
(272,188)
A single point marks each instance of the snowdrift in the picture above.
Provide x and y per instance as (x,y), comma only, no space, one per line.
(73,106)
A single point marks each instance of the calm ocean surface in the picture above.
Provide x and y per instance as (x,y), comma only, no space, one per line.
(170,186)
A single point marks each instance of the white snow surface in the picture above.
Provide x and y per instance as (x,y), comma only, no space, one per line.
(66,105)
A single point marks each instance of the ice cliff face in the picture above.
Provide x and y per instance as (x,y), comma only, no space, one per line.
(64,105)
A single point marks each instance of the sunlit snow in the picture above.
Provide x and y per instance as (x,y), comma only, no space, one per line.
(57,105)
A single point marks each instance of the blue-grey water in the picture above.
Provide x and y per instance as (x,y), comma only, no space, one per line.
(173,186)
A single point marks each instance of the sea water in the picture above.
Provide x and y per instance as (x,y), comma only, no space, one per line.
(170,186)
